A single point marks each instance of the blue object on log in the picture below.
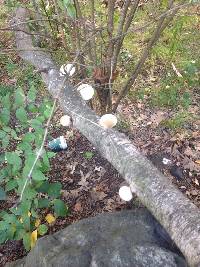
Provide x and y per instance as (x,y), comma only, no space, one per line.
(58,144)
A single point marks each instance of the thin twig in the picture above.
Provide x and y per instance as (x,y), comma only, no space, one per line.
(110,25)
(176,71)
(123,32)
(32,33)
(159,29)
(110,88)
(93,43)
(47,15)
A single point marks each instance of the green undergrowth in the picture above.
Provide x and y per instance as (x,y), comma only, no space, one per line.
(22,127)
(24,109)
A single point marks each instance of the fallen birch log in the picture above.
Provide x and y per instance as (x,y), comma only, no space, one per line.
(179,216)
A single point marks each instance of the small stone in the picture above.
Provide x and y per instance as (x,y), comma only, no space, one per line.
(177,172)
(166,161)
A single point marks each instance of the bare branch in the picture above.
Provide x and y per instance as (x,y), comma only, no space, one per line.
(110,25)
(110,88)
(60,27)
(93,43)
(162,24)
(30,33)
(47,15)
(81,22)
(122,32)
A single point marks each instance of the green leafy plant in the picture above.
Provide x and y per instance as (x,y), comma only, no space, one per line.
(88,155)
(178,121)
(21,136)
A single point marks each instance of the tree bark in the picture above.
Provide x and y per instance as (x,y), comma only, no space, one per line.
(179,216)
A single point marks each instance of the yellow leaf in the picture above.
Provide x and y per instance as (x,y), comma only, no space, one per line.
(21,221)
(37,222)
(50,218)
(29,214)
(33,238)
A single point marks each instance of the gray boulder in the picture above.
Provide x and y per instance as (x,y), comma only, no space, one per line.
(121,239)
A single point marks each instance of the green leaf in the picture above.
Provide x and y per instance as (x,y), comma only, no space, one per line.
(3,236)
(10,218)
(14,134)
(26,147)
(35,123)
(5,141)
(4,225)
(13,159)
(6,129)
(47,113)
(11,67)
(43,203)
(44,187)
(6,101)
(60,208)
(28,137)
(11,231)
(50,154)
(4,172)
(2,134)
(29,193)
(19,234)
(88,155)
(32,94)
(71,11)
(21,114)
(2,194)
(19,97)
(54,190)
(41,118)
(45,163)
(12,184)
(42,229)
(26,222)
(38,175)
(27,241)
(2,158)
(5,116)
(34,213)
(32,108)
(30,158)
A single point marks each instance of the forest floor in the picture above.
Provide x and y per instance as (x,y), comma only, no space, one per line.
(170,139)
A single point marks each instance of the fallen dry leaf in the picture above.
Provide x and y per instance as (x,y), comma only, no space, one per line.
(50,218)
(198,161)
(196,181)
(194,192)
(78,207)
(157,117)
(97,196)
(33,238)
